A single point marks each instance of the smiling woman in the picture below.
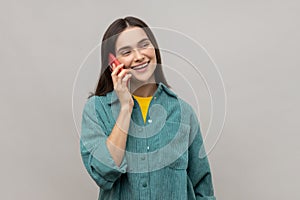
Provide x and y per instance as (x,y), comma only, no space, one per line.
(135,51)
(108,45)
(141,142)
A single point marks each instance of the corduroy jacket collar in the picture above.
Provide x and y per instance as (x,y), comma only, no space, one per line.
(112,96)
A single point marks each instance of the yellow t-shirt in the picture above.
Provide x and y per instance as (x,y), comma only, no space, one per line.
(144,103)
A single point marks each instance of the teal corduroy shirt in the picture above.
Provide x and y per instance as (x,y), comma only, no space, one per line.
(162,159)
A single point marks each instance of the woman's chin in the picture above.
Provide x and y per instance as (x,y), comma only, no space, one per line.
(142,80)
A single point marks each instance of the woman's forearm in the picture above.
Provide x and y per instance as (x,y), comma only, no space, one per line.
(116,142)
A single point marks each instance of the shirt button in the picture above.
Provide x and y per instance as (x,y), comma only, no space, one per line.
(144,184)
(148,147)
(150,121)
(154,97)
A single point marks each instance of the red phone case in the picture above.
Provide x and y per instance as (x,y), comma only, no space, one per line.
(113,60)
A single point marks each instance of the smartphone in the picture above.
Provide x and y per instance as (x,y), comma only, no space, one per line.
(113,60)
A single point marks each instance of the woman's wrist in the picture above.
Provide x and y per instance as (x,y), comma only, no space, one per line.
(126,108)
(124,117)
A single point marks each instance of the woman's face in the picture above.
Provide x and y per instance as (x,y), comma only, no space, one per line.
(135,50)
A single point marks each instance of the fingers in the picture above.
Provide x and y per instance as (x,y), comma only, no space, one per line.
(123,73)
(125,79)
(116,69)
(122,77)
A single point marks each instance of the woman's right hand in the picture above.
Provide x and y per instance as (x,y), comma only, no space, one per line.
(120,82)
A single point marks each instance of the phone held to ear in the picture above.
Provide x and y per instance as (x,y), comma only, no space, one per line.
(113,60)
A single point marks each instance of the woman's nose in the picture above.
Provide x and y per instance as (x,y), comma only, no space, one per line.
(137,55)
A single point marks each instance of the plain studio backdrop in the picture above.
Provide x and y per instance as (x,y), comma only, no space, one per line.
(255,45)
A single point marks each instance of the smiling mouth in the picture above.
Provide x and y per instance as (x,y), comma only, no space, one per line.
(140,66)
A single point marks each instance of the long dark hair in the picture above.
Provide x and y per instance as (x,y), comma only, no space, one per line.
(105,83)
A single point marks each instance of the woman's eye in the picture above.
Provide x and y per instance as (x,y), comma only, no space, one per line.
(145,45)
(124,53)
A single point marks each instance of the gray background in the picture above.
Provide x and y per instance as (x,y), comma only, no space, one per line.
(254,43)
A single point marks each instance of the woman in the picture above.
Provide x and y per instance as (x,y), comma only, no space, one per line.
(139,140)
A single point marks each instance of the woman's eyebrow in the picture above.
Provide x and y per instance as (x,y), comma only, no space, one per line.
(127,47)
(142,40)
(122,48)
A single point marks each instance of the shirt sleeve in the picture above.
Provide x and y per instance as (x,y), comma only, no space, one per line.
(198,166)
(94,152)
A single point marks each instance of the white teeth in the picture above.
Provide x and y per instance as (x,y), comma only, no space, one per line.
(140,67)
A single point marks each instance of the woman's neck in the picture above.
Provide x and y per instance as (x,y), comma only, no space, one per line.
(146,90)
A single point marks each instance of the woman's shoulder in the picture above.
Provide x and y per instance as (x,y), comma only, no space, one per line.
(95,102)
(185,105)
(97,98)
